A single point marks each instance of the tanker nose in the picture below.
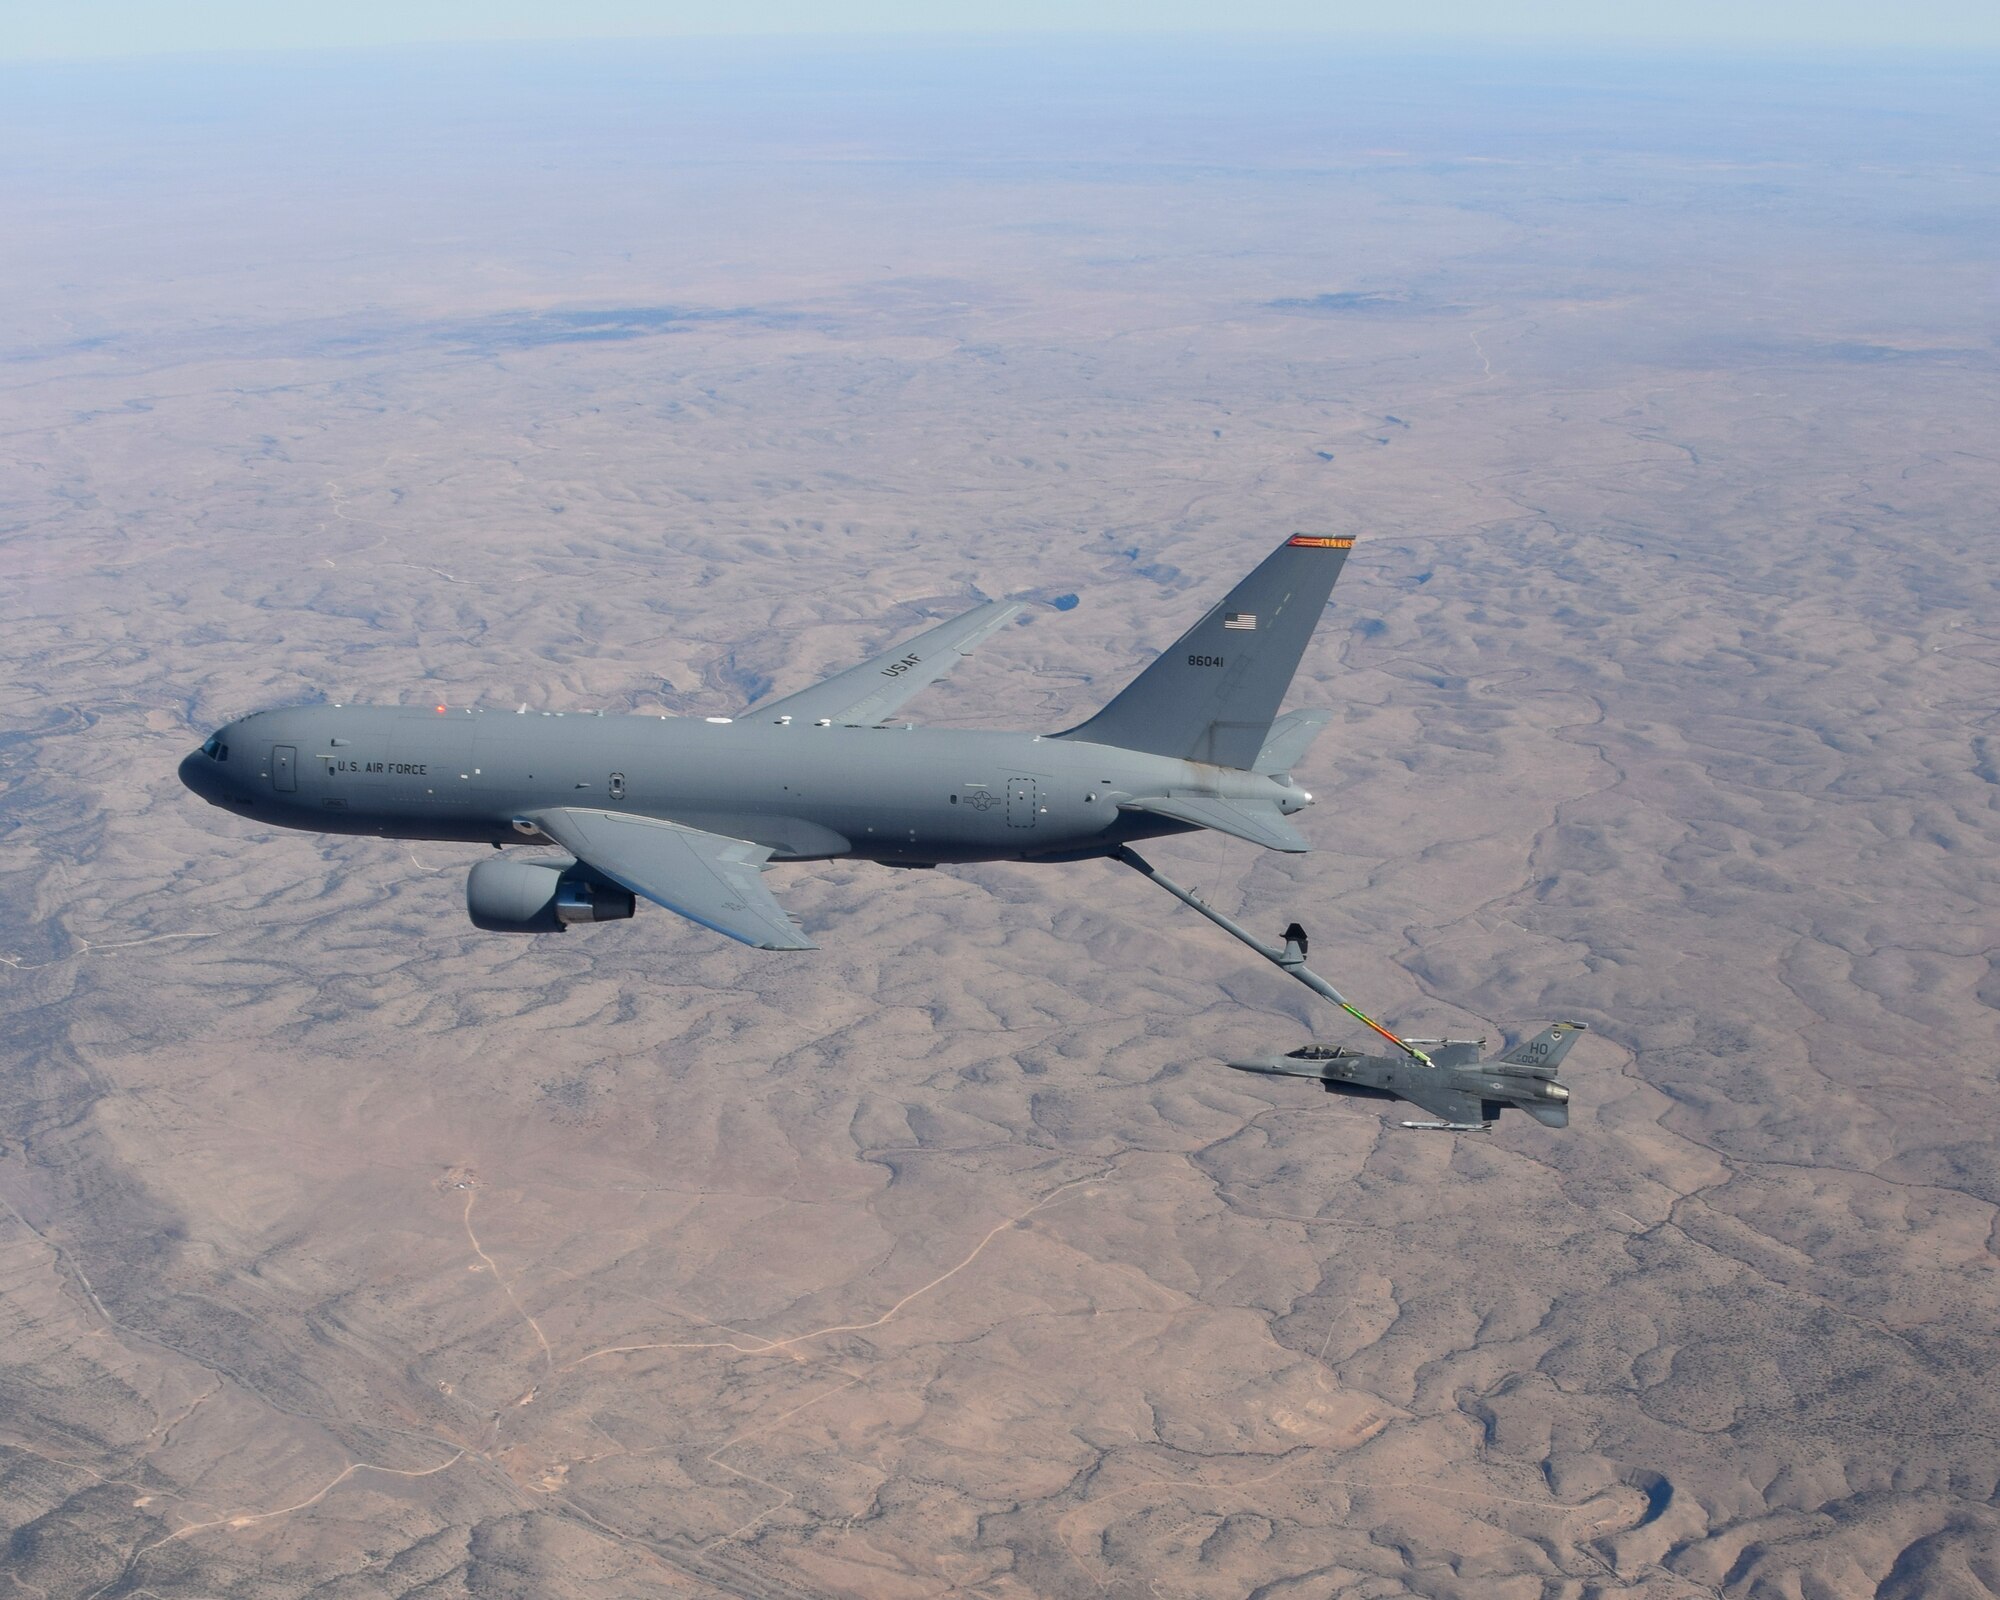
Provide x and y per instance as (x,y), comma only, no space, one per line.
(198,773)
(206,772)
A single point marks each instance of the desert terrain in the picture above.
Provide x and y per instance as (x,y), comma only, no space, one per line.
(348,1252)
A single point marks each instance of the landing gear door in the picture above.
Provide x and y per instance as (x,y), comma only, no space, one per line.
(285,768)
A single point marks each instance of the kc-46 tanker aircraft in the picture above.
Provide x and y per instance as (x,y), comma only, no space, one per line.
(689,812)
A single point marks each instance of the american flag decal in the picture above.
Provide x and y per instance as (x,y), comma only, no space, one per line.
(1241,621)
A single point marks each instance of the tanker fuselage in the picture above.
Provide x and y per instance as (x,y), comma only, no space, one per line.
(901,795)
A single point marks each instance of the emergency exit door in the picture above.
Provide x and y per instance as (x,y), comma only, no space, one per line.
(1022,807)
(285,768)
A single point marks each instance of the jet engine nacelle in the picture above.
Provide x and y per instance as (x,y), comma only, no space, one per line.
(542,896)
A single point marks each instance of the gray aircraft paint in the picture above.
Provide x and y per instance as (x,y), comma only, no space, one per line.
(901,795)
(815,775)
(1465,1093)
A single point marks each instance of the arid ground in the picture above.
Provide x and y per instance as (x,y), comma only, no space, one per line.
(348,1252)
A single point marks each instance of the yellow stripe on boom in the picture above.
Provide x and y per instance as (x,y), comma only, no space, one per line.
(1313,541)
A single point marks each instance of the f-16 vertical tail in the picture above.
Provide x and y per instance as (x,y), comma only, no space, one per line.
(1547,1049)
(1536,1059)
(1213,696)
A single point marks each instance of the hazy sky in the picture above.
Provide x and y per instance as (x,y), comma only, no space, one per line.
(82,28)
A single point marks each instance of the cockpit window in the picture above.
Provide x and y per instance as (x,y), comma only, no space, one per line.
(215,749)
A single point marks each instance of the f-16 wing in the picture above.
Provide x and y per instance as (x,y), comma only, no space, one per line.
(703,876)
(1448,1105)
(867,694)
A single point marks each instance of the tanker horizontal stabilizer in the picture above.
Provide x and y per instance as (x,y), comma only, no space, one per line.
(1258,821)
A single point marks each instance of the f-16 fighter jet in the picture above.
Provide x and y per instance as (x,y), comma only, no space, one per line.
(1465,1094)
(689,812)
